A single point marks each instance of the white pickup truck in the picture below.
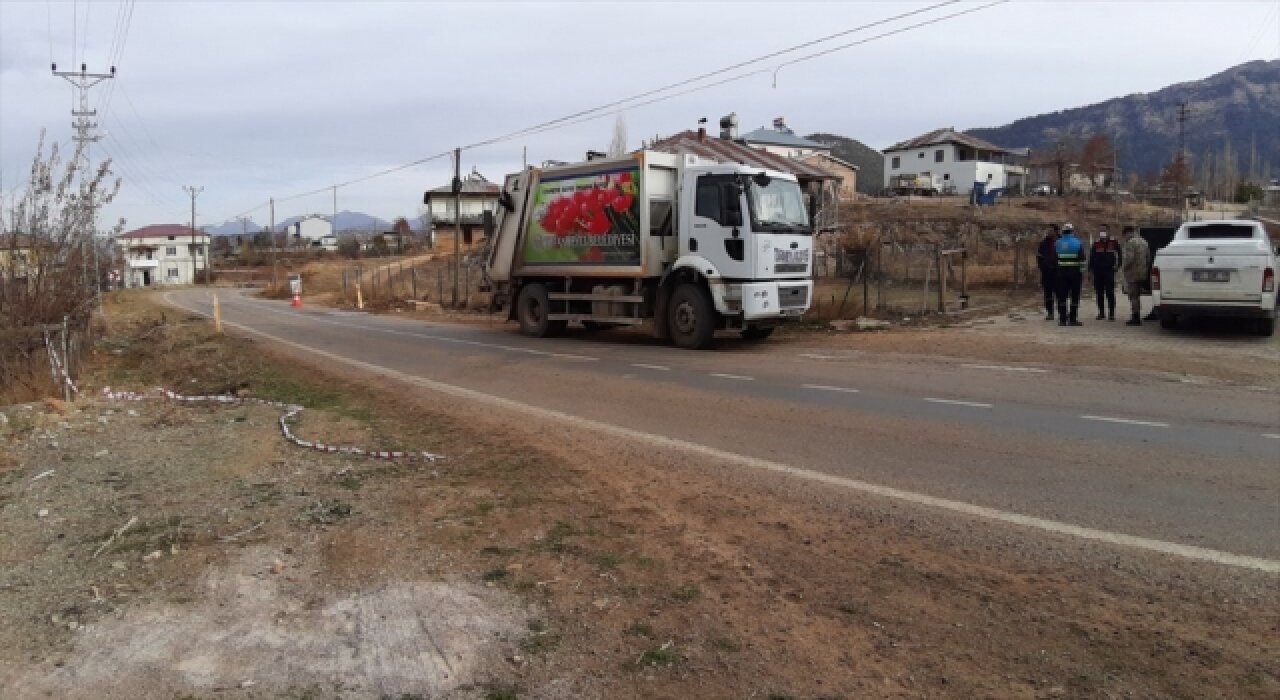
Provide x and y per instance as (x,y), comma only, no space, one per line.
(1217,268)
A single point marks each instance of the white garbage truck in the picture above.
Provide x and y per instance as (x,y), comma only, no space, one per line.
(680,244)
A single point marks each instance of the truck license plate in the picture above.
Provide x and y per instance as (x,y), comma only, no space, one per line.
(1211,275)
(785,256)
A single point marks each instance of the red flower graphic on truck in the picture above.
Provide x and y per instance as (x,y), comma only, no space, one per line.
(595,210)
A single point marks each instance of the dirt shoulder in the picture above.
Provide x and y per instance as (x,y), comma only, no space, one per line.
(533,562)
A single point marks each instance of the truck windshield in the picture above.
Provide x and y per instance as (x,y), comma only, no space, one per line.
(778,207)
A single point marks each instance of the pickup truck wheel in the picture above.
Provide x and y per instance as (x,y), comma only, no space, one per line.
(532,308)
(757,332)
(1266,327)
(1168,321)
(692,318)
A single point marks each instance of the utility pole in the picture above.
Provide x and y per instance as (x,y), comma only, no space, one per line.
(194,192)
(457,220)
(85,135)
(1180,161)
(271,241)
(333,225)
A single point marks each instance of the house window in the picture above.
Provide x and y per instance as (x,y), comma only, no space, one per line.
(897,163)
(939,155)
(920,154)
(171,238)
(172,273)
(171,251)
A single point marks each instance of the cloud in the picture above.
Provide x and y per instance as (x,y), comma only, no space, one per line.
(260,100)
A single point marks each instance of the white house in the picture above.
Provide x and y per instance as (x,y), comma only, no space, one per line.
(163,254)
(781,141)
(313,229)
(952,162)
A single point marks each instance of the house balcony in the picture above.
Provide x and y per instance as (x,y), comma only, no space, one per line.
(143,264)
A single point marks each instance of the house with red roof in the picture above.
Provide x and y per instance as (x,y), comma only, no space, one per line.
(163,254)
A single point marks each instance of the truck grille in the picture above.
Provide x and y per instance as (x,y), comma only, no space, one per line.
(793,297)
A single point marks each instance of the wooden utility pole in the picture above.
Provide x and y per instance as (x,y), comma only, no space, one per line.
(457,220)
(194,192)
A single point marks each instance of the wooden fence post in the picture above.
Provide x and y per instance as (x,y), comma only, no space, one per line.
(942,281)
(413,280)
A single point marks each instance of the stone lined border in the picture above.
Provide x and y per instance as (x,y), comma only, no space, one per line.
(289,412)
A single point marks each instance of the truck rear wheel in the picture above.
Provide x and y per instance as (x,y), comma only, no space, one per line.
(692,318)
(532,308)
(1168,321)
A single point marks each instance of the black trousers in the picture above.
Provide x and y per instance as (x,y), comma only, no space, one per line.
(1049,283)
(1069,281)
(1104,288)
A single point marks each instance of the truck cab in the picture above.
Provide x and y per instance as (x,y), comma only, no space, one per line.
(1217,268)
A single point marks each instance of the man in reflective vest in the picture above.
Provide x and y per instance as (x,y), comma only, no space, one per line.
(1070,261)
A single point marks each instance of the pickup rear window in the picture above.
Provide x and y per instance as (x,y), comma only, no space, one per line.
(1218,231)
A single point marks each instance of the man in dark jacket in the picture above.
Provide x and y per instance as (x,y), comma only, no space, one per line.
(1047,261)
(1104,260)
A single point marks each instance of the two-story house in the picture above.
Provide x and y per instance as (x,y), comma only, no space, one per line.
(477,196)
(315,231)
(950,162)
(781,140)
(163,254)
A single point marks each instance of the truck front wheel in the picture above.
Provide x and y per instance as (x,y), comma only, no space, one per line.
(692,318)
(532,308)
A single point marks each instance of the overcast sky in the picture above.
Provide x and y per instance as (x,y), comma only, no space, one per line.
(256,100)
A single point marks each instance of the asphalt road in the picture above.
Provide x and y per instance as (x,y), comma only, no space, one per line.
(1191,470)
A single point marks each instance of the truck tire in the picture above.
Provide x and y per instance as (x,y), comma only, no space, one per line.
(757,332)
(1168,321)
(1266,327)
(692,318)
(532,307)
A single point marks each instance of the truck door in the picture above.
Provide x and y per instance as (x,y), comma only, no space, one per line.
(717,230)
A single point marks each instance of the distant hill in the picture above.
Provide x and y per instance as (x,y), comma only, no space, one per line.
(1232,116)
(231,228)
(870,162)
(354,221)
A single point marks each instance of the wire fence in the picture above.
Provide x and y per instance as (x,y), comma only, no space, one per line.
(37,361)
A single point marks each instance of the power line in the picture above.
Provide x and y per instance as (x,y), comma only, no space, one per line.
(898,30)
(626,103)
(84,35)
(710,74)
(48,7)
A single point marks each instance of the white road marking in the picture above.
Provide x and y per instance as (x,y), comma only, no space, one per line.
(660,368)
(737,377)
(1128,421)
(954,402)
(1273,436)
(446,339)
(824,387)
(1007,368)
(1053,526)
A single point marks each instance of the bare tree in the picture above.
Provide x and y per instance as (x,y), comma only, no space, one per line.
(618,146)
(51,220)
(1095,159)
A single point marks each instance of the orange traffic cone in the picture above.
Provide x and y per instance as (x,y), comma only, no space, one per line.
(297,301)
